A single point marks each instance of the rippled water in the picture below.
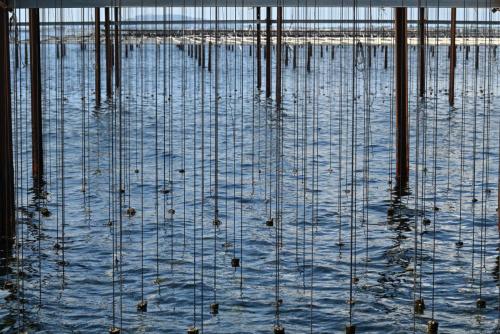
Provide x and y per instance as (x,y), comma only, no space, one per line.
(320,205)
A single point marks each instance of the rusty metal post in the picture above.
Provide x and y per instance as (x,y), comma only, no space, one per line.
(7,216)
(109,53)
(117,48)
(402,145)
(385,56)
(268,52)
(421,54)
(294,56)
(453,57)
(286,55)
(36,99)
(279,26)
(309,54)
(203,65)
(199,55)
(477,57)
(97,37)
(209,56)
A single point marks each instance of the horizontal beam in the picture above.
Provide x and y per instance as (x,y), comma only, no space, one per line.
(251,3)
(230,23)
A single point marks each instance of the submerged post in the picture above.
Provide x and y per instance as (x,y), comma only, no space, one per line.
(97,37)
(453,57)
(402,149)
(259,52)
(209,56)
(109,53)
(268,52)
(279,24)
(421,54)
(36,98)
(7,217)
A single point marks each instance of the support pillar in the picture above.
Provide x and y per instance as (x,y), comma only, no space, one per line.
(109,53)
(453,57)
(401,61)
(209,56)
(421,54)
(294,56)
(117,47)
(279,26)
(259,52)
(97,37)
(36,99)
(7,216)
(385,56)
(268,52)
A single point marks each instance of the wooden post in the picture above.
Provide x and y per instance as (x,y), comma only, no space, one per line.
(97,37)
(36,99)
(421,54)
(268,52)
(7,216)
(109,53)
(279,26)
(402,146)
(453,57)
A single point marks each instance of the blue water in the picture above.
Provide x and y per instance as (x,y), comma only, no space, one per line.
(333,187)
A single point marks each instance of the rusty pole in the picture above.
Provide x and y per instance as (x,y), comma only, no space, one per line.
(402,146)
(259,52)
(385,56)
(268,52)
(36,98)
(7,217)
(209,56)
(309,54)
(453,57)
(421,54)
(117,47)
(294,56)
(279,26)
(97,36)
(109,53)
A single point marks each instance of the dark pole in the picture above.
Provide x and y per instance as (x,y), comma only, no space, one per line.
(268,52)
(7,221)
(209,56)
(279,24)
(97,35)
(385,56)
(36,98)
(109,54)
(402,146)
(117,47)
(259,52)
(453,57)
(421,54)
(294,56)
(309,54)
